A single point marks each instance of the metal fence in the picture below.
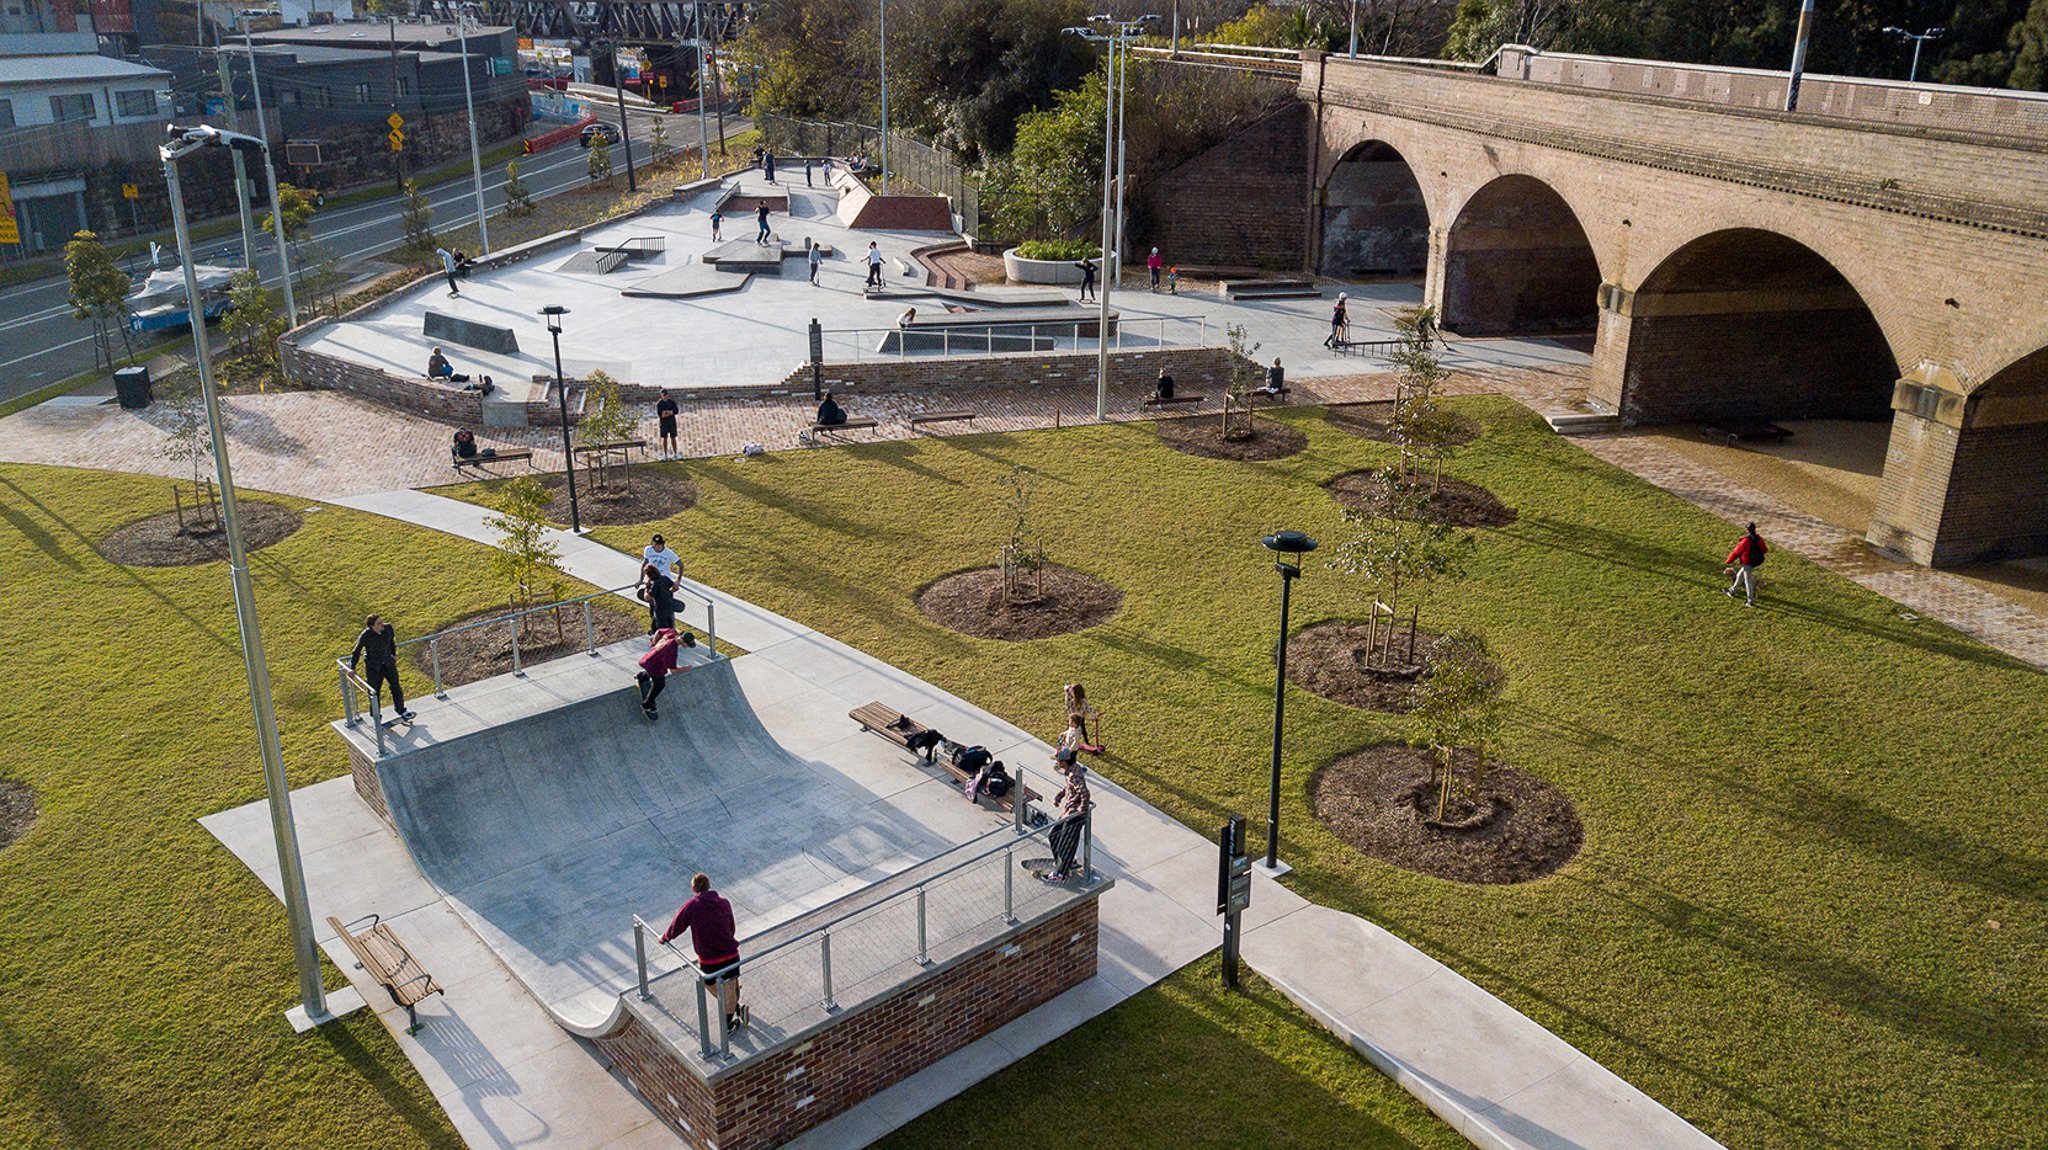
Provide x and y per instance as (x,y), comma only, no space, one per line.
(867,944)
(876,344)
(931,168)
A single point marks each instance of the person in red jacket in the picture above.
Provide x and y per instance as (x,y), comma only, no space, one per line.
(708,918)
(1742,563)
(656,664)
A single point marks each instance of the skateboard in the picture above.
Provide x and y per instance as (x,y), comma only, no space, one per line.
(1042,868)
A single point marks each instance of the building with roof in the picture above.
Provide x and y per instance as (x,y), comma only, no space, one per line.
(64,119)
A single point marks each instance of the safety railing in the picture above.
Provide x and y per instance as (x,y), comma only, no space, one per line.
(869,945)
(977,341)
(511,620)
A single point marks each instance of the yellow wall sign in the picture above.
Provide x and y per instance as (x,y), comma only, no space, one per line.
(10,230)
(131,192)
(397,139)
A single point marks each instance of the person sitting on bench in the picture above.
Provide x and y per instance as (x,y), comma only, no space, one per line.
(463,264)
(465,444)
(830,414)
(1164,388)
(438,366)
(1276,380)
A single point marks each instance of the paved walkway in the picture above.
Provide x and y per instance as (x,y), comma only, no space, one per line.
(1493,1073)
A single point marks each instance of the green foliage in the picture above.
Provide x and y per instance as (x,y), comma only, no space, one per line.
(254,320)
(99,292)
(606,419)
(1458,705)
(320,279)
(189,439)
(526,560)
(1237,394)
(1395,545)
(416,216)
(1051,182)
(518,201)
(1293,26)
(298,212)
(599,161)
(1070,250)
(657,139)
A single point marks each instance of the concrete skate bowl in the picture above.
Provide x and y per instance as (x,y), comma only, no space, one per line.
(550,833)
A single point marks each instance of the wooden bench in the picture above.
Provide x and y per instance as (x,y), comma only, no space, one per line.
(939,417)
(898,728)
(1171,400)
(386,960)
(614,445)
(1259,393)
(852,424)
(479,459)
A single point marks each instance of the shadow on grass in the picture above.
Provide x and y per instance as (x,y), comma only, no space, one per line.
(430,1125)
(62,1082)
(729,479)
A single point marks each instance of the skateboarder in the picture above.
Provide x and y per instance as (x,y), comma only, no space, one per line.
(1087,267)
(874,266)
(817,259)
(658,663)
(1340,325)
(1742,563)
(717,218)
(448,269)
(665,561)
(377,646)
(665,411)
(658,591)
(1076,694)
(1073,803)
(761,215)
(708,918)
(768,166)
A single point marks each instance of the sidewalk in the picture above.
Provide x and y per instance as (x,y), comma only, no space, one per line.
(1497,1076)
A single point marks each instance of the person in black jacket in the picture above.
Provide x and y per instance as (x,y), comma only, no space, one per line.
(830,414)
(377,648)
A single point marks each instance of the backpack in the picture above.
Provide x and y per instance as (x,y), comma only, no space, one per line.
(1756,551)
(971,759)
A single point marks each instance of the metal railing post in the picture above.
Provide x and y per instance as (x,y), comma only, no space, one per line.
(1088,846)
(703,1018)
(516,668)
(434,655)
(348,695)
(640,952)
(724,1023)
(946,343)
(1018,802)
(1009,886)
(711,626)
(377,721)
(825,967)
(589,631)
(922,952)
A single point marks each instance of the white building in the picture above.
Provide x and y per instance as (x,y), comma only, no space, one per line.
(61,118)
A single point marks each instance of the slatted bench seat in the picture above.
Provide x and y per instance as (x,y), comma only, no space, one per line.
(1172,400)
(503,454)
(852,424)
(614,445)
(898,728)
(939,417)
(393,967)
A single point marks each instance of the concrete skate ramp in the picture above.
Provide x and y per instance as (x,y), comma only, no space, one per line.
(548,834)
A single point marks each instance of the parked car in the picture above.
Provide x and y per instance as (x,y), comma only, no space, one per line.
(609,133)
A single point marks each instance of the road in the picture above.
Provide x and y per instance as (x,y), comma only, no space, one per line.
(40,343)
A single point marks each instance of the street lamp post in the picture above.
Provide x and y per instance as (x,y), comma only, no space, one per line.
(291,871)
(1354,29)
(463,18)
(555,312)
(284,260)
(703,132)
(625,133)
(1290,546)
(1918,39)
(1117,38)
(882,38)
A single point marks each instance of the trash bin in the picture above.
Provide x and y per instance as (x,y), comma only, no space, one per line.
(131,384)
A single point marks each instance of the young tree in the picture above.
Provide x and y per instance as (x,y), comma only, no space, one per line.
(1458,705)
(254,321)
(296,208)
(99,292)
(657,139)
(518,202)
(606,419)
(1023,558)
(320,277)
(1398,548)
(600,161)
(1424,434)
(190,442)
(1237,397)
(417,217)
(526,559)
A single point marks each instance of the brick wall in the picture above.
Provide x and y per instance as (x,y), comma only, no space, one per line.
(1193,369)
(1777,365)
(419,395)
(769,1100)
(368,786)
(1996,501)
(1237,205)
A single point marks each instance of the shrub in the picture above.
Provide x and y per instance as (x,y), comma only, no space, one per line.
(1072,250)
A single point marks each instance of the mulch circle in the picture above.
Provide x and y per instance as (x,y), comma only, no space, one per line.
(482,652)
(1203,435)
(972,603)
(1369,421)
(648,494)
(157,542)
(1328,659)
(17,810)
(1380,800)
(1454,503)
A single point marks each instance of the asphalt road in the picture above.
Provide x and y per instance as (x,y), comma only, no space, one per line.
(40,343)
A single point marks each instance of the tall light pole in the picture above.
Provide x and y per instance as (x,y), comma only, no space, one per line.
(1289,546)
(703,132)
(1804,34)
(555,312)
(882,39)
(625,133)
(1354,29)
(476,158)
(284,260)
(234,117)
(1117,38)
(291,872)
(1918,40)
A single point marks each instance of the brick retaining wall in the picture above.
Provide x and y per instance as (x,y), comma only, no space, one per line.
(1237,205)
(417,395)
(1194,369)
(769,1100)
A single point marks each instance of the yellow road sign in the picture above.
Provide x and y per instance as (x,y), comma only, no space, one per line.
(395,120)
(10,231)
(130,192)
(397,139)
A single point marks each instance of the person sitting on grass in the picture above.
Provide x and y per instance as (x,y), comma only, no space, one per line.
(830,414)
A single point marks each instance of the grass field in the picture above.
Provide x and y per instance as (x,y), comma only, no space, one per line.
(144,972)
(1808,911)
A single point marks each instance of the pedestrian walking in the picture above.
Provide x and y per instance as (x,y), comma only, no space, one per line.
(658,591)
(1154,265)
(1087,267)
(758,153)
(663,658)
(666,562)
(1340,324)
(708,918)
(817,259)
(1073,802)
(448,269)
(665,412)
(1742,563)
(768,166)
(874,266)
(807,171)
(761,215)
(377,647)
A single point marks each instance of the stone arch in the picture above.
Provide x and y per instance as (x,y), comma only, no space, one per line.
(1375,220)
(1517,262)
(1997,498)
(1748,324)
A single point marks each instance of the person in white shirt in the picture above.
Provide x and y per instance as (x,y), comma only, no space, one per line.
(663,560)
(874,265)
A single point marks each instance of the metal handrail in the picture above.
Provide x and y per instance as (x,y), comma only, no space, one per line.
(981,344)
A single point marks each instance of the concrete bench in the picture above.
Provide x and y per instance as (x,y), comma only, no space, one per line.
(470,333)
(505,455)
(393,967)
(1172,400)
(923,417)
(898,728)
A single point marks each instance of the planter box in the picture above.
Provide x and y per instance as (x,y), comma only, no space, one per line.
(1023,271)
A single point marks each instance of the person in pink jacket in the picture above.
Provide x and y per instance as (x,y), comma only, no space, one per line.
(658,662)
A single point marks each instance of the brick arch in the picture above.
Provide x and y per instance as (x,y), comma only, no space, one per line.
(1374,218)
(1746,323)
(1517,261)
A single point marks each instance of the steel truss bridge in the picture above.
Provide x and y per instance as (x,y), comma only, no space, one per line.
(617,21)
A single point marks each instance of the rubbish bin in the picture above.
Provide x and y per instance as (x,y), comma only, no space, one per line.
(131,384)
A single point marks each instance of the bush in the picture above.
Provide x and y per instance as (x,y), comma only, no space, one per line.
(1058,250)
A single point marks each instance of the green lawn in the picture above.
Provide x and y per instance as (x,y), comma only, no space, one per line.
(1801,821)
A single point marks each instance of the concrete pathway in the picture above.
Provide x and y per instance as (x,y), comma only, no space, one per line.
(1493,1073)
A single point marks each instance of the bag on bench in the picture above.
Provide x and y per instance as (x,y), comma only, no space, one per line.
(991,778)
(924,741)
(971,759)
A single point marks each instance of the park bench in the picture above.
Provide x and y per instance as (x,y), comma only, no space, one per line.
(1172,400)
(898,728)
(385,959)
(627,445)
(939,417)
(1274,397)
(853,423)
(503,454)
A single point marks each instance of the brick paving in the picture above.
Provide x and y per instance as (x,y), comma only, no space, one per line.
(323,445)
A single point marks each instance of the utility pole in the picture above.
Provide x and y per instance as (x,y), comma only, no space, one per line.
(703,134)
(476,157)
(1123,87)
(882,38)
(1108,258)
(625,133)
(397,154)
(227,95)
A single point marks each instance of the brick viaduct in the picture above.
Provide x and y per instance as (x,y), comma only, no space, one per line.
(1883,253)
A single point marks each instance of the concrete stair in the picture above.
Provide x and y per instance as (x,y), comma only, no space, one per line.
(1268,289)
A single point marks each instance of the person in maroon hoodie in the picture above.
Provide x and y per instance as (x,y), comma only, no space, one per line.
(708,918)
(1742,563)
(656,664)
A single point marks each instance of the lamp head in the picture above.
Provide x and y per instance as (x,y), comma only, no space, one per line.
(1290,543)
(554,312)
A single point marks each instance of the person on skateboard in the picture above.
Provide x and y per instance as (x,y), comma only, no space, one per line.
(656,664)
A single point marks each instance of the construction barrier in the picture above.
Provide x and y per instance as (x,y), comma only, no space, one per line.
(554,136)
